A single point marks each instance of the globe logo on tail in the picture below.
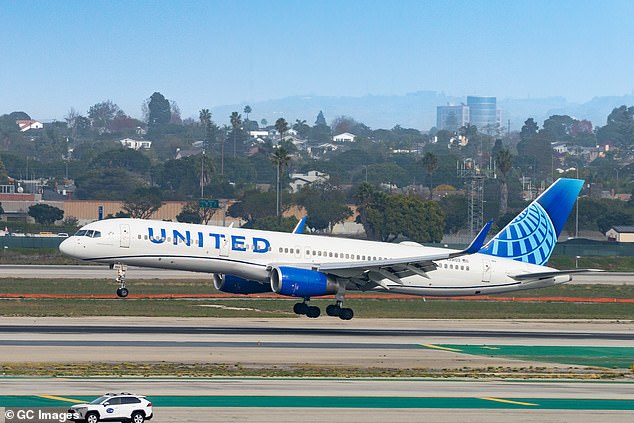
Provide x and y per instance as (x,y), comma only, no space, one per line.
(530,237)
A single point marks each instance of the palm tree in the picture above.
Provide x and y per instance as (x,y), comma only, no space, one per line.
(247,110)
(504,164)
(282,126)
(280,158)
(236,121)
(430,162)
(205,121)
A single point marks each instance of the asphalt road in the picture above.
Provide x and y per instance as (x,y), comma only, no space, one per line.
(103,272)
(388,344)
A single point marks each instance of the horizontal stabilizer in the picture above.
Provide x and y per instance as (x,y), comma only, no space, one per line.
(546,275)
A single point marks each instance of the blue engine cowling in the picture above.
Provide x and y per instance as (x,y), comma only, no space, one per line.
(236,285)
(295,282)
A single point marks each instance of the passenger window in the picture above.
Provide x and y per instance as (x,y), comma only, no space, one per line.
(330,254)
(292,251)
(319,253)
(286,250)
(145,237)
(467,268)
(374,258)
(281,249)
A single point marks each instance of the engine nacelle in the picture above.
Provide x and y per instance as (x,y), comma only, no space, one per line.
(294,282)
(236,285)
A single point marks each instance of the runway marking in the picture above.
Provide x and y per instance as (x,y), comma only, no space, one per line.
(509,401)
(53,397)
(438,347)
(486,347)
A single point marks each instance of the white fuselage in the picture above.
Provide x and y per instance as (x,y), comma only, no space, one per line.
(250,254)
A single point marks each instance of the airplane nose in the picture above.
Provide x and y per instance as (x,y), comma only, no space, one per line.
(66,247)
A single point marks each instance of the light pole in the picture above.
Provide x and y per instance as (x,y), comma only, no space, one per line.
(202,171)
(577,208)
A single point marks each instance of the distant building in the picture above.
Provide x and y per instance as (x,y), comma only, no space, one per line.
(25,125)
(483,112)
(299,180)
(345,137)
(451,118)
(136,144)
(621,234)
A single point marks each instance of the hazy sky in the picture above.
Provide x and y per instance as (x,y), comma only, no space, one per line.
(69,53)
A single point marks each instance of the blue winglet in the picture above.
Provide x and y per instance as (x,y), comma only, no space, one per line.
(299,228)
(478,241)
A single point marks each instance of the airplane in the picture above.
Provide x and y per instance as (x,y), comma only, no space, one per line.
(247,261)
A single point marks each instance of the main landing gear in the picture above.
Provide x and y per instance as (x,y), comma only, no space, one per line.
(334,310)
(303,308)
(122,291)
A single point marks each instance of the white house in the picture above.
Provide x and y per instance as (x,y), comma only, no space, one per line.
(620,234)
(136,144)
(345,137)
(25,125)
(259,134)
(299,180)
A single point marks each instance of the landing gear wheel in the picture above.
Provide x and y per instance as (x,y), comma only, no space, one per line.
(300,308)
(346,314)
(122,292)
(333,310)
(313,312)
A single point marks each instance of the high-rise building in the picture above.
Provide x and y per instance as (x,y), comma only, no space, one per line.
(452,118)
(483,113)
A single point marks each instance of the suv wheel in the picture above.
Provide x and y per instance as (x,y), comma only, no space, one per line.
(137,417)
(92,418)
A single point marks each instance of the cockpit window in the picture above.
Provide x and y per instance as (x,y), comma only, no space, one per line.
(89,234)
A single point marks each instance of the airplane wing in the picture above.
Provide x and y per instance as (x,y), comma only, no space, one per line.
(375,271)
(547,275)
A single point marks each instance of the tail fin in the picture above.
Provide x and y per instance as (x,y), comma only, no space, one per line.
(532,235)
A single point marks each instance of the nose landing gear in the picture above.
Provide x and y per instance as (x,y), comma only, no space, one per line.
(122,291)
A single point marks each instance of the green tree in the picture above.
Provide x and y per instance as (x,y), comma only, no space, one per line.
(247,109)
(159,115)
(236,121)
(271,223)
(504,164)
(301,127)
(430,163)
(4,177)
(281,126)
(192,213)
(143,203)
(321,120)
(253,205)
(102,114)
(529,130)
(280,158)
(387,217)
(455,211)
(45,214)
(324,204)
(205,121)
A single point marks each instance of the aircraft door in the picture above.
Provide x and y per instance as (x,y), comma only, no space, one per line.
(224,247)
(486,270)
(124,236)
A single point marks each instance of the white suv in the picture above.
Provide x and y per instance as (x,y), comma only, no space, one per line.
(121,407)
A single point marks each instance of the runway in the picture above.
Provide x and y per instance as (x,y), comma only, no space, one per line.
(103,272)
(388,346)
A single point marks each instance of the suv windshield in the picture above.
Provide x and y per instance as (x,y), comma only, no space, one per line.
(99,400)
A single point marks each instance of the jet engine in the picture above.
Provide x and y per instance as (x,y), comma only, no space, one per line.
(236,285)
(294,282)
